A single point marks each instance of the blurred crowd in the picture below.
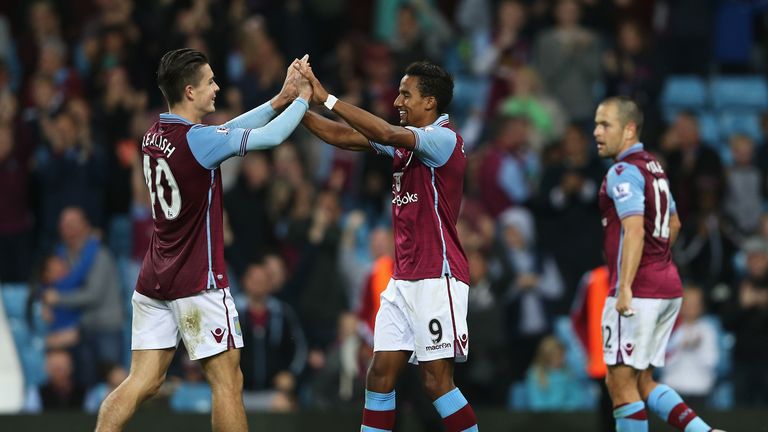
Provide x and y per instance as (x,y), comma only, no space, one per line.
(308,237)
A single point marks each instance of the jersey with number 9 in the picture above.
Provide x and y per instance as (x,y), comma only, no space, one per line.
(186,253)
(637,185)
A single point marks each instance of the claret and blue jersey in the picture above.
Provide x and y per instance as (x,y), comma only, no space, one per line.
(181,168)
(637,185)
(427,186)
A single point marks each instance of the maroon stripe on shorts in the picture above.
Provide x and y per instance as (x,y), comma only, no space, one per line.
(456,342)
(230,338)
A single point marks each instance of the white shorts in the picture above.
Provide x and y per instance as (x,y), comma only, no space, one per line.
(641,339)
(428,317)
(208,323)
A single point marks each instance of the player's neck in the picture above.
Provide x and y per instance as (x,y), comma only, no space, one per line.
(624,148)
(424,123)
(186,112)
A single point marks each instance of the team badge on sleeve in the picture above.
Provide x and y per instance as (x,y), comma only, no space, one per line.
(622,192)
(222,130)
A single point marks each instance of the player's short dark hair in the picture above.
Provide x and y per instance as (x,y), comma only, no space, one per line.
(433,81)
(178,69)
(629,111)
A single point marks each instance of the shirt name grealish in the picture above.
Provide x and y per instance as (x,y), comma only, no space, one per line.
(157,140)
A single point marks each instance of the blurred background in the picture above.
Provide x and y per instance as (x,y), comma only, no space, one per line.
(308,227)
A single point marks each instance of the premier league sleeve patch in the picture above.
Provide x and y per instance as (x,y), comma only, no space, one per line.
(622,192)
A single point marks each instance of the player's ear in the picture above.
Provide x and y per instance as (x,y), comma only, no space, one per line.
(189,91)
(431,103)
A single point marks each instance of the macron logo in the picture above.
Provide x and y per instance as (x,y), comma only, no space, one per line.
(629,348)
(218,334)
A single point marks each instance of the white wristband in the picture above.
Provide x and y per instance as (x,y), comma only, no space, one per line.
(331,101)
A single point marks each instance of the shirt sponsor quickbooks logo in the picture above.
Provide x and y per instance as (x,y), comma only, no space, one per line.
(439,346)
(407,198)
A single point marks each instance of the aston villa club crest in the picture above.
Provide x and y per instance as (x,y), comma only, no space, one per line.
(396,177)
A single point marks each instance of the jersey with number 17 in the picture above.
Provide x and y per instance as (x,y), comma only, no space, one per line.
(637,185)
(186,253)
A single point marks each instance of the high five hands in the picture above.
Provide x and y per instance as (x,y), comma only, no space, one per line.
(295,85)
(319,93)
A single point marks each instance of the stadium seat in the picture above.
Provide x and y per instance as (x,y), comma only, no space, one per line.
(742,122)
(192,398)
(30,342)
(709,129)
(744,93)
(517,399)
(683,92)
(15,299)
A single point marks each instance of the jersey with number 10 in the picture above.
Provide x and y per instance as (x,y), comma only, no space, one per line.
(637,185)
(186,253)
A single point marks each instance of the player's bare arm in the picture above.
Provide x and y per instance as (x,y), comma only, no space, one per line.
(631,252)
(674,228)
(371,127)
(335,133)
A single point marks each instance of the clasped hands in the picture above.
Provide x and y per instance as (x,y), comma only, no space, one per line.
(300,81)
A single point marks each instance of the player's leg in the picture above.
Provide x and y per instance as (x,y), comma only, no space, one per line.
(622,351)
(437,379)
(392,346)
(661,399)
(209,325)
(154,337)
(226,379)
(442,338)
(379,410)
(628,407)
(147,374)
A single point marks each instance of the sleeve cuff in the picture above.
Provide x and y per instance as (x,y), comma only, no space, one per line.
(631,213)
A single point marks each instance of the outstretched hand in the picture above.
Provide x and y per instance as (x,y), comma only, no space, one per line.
(319,92)
(290,89)
(304,86)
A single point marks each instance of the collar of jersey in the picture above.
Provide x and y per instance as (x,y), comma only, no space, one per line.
(441,120)
(173,118)
(634,149)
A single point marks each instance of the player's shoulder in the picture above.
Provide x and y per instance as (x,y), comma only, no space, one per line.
(623,169)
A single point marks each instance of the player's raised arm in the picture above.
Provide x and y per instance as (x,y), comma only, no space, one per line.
(370,126)
(335,133)
(211,145)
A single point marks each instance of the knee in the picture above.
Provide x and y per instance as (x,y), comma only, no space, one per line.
(616,384)
(380,378)
(645,385)
(436,385)
(147,386)
(229,383)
